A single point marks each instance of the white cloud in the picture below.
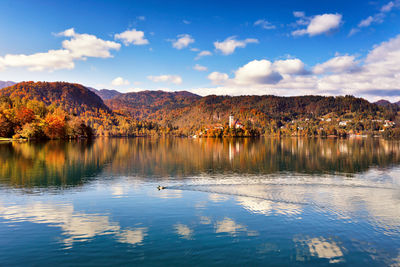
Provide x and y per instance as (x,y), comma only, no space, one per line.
(200,68)
(264,24)
(142,18)
(229,45)
(260,72)
(299,14)
(132,37)
(290,66)
(366,22)
(257,72)
(186,21)
(176,79)
(86,45)
(388,7)
(78,47)
(320,24)
(338,64)
(375,76)
(376,18)
(203,54)
(184,40)
(119,81)
(51,60)
(218,77)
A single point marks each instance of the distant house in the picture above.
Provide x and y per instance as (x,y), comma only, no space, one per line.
(389,123)
(238,125)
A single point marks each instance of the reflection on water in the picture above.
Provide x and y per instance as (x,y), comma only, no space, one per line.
(76,226)
(71,163)
(318,247)
(271,201)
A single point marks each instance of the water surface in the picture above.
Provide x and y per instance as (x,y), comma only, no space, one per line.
(227,202)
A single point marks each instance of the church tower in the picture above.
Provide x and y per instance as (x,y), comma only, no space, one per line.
(231,121)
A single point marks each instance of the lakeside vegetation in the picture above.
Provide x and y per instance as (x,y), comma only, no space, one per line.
(59,110)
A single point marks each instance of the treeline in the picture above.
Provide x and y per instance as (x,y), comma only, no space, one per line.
(66,110)
(62,111)
(32,119)
(288,116)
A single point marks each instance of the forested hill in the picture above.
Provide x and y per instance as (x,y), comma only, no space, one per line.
(73,98)
(54,110)
(28,109)
(154,105)
(184,109)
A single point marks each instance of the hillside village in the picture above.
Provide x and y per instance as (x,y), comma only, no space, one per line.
(329,125)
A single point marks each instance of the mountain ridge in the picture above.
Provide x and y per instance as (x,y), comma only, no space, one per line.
(4,84)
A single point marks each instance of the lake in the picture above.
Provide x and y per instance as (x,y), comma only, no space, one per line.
(289,201)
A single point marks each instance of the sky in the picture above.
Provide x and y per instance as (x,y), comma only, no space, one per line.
(222,47)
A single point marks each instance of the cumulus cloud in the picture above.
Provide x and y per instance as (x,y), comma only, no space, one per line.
(257,72)
(218,77)
(375,76)
(200,68)
(132,37)
(119,81)
(182,41)
(264,24)
(260,72)
(87,45)
(290,66)
(176,79)
(229,45)
(338,64)
(78,47)
(319,24)
(376,18)
(203,54)
(50,60)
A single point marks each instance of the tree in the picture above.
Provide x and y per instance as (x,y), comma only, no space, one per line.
(6,126)
(32,131)
(55,126)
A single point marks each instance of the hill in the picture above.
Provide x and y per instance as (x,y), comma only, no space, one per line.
(187,113)
(152,105)
(62,110)
(105,93)
(31,107)
(383,103)
(261,110)
(73,98)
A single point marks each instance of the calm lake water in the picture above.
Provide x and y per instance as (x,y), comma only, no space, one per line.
(227,202)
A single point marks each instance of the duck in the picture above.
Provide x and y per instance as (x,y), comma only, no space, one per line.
(160,187)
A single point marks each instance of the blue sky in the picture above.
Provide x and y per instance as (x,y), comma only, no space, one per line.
(249,47)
